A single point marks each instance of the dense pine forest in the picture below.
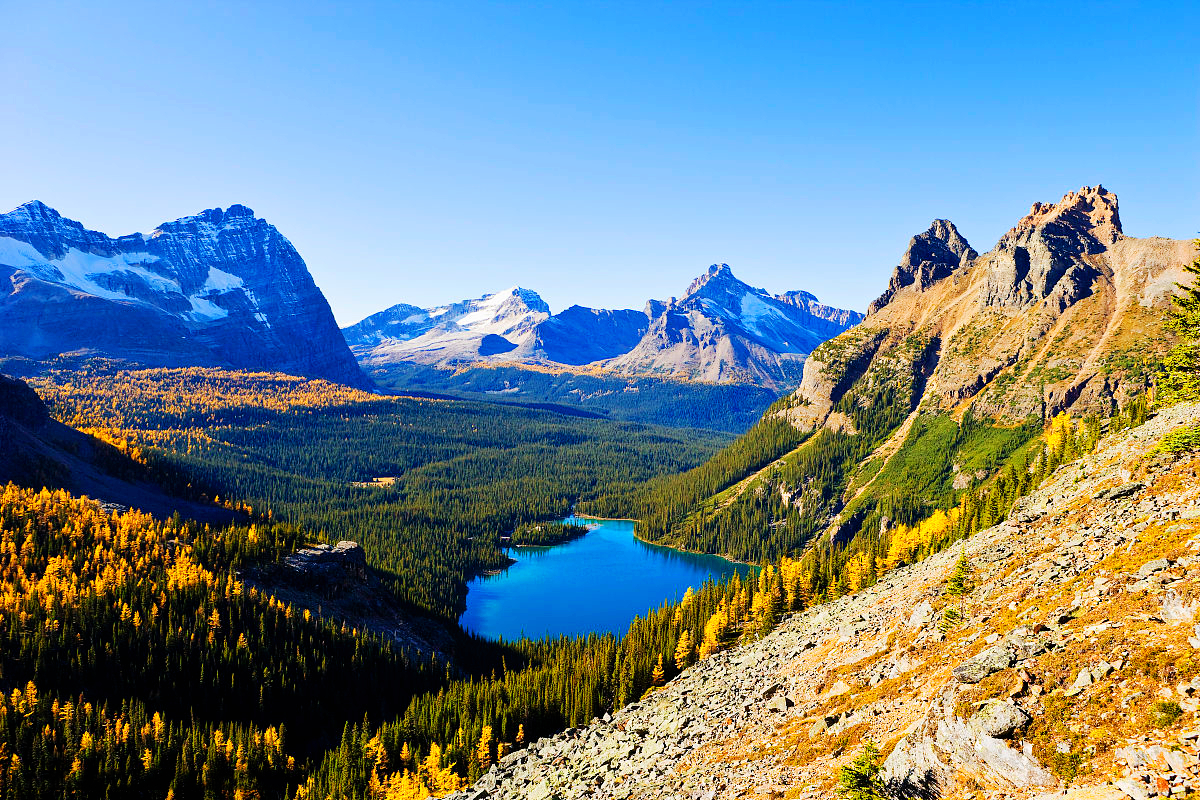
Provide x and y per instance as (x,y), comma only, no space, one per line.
(723,407)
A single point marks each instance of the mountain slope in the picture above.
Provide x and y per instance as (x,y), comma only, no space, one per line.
(580,335)
(725,331)
(37,451)
(220,288)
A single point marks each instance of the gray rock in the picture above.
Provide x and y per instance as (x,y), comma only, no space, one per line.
(1000,719)
(1134,788)
(1121,492)
(1151,567)
(330,569)
(779,703)
(992,660)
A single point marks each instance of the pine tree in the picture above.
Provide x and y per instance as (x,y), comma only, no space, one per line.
(483,749)
(658,677)
(860,780)
(1180,378)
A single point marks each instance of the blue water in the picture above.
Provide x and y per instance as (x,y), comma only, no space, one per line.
(598,582)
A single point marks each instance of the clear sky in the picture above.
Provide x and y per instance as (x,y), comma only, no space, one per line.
(599,153)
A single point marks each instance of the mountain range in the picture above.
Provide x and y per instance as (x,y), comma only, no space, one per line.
(721,331)
(221,288)
(226,288)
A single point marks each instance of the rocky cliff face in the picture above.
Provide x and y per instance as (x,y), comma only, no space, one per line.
(1071,666)
(220,288)
(726,331)
(1064,312)
(931,256)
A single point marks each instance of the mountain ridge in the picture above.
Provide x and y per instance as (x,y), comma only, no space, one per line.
(222,287)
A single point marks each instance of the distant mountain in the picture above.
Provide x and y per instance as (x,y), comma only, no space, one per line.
(220,288)
(461,333)
(726,331)
(723,331)
(582,335)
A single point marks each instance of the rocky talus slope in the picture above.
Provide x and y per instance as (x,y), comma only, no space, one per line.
(1075,665)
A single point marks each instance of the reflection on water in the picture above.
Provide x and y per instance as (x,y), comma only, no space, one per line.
(598,582)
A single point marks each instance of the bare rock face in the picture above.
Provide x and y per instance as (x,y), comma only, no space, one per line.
(221,288)
(1045,256)
(332,570)
(931,256)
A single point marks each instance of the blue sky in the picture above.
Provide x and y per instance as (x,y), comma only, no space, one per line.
(599,153)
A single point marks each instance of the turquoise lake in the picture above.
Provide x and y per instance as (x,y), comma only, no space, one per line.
(598,582)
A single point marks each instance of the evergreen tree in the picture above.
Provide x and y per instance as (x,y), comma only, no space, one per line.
(1180,377)
(860,779)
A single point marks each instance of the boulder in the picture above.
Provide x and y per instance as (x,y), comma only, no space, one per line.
(1000,719)
(1121,492)
(994,659)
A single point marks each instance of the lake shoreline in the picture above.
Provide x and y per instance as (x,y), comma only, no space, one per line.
(667,546)
(543,594)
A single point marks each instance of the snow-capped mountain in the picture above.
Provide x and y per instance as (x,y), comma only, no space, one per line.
(726,331)
(722,331)
(459,333)
(220,288)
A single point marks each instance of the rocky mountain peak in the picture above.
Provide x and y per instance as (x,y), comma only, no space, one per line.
(1045,256)
(719,274)
(1090,213)
(223,287)
(931,256)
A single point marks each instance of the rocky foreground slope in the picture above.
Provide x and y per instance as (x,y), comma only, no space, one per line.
(1076,663)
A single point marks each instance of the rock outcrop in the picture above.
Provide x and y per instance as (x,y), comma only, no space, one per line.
(1050,255)
(333,581)
(222,288)
(931,256)
(329,569)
